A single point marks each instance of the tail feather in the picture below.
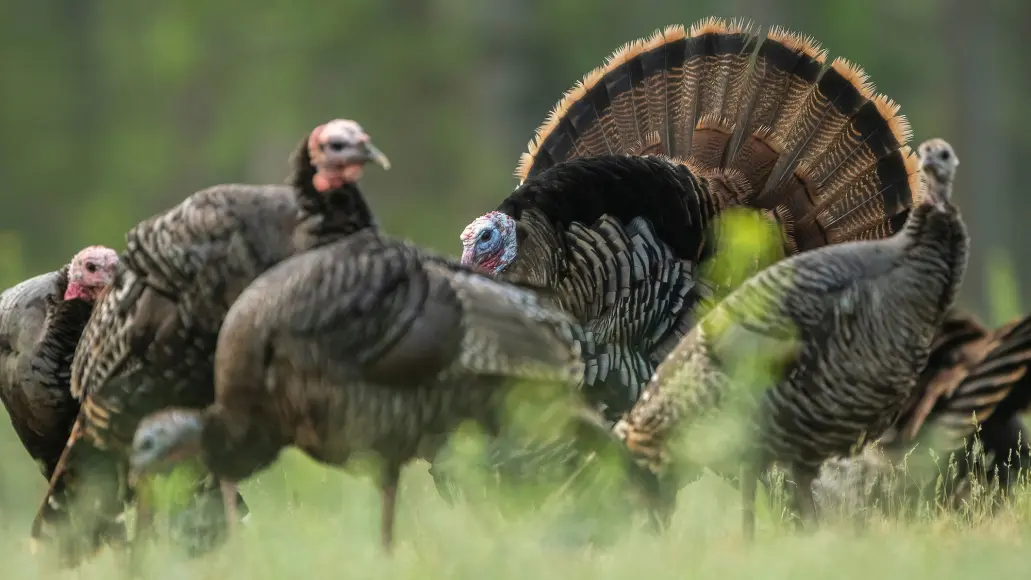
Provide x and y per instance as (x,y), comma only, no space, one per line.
(683,88)
(798,61)
(655,83)
(846,216)
(957,330)
(993,380)
(724,83)
(810,140)
(972,376)
(625,98)
(785,66)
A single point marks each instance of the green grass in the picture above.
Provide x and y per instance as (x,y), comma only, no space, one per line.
(313,522)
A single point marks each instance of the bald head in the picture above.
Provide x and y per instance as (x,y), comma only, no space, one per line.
(339,151)
(89,272)
(938,162)
(489,241)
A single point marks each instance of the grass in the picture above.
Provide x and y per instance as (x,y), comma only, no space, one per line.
(312,522)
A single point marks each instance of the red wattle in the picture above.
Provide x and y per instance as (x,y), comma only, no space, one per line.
(322,182)
(75,291)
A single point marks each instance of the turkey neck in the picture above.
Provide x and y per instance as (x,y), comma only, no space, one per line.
(936,243)
(325,217)
(62,280)
(542,259)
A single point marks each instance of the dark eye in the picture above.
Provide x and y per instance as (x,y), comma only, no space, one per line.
(945,155)
(146,444)
(336,146)
(486,235)
(91,267)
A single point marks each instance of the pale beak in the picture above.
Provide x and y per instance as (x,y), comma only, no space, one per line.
(137,471)
(338,153)
(376,156)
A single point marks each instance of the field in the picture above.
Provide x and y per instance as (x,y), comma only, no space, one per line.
(312,522)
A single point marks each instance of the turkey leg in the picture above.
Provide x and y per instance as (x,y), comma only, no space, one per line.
(229,502)
(749,488)
(388,488)
(805,502)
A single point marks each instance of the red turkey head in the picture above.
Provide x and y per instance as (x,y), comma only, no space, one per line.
(89,272)
(339,151)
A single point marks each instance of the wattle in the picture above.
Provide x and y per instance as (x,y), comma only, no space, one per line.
(492,262)
(75,291)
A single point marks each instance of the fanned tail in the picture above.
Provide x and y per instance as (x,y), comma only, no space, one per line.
(763,116)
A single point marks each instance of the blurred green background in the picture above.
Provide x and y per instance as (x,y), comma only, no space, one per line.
(113,110)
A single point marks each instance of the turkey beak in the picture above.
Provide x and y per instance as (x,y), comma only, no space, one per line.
(929,167)
(372,153)
(340,153)
(138,470)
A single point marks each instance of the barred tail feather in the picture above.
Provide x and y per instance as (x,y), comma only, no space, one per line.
(994,380)
(811,141)
(973,375)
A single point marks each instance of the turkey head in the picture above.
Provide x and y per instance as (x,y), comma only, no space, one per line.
(339,151)
(89,272)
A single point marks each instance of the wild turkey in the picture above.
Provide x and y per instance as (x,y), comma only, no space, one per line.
(848,327)
(364,344)
(151,342)
(976,379)
(624,180)
(41,320)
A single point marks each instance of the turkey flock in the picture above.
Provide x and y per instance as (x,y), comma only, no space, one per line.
(251,318)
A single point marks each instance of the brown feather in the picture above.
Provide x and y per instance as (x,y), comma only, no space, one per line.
(815,140)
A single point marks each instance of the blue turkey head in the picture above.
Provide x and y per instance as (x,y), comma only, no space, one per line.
(489,241)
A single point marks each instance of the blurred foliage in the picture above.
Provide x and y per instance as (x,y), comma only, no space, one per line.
(1003,288)
(113,110)
(747,241)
